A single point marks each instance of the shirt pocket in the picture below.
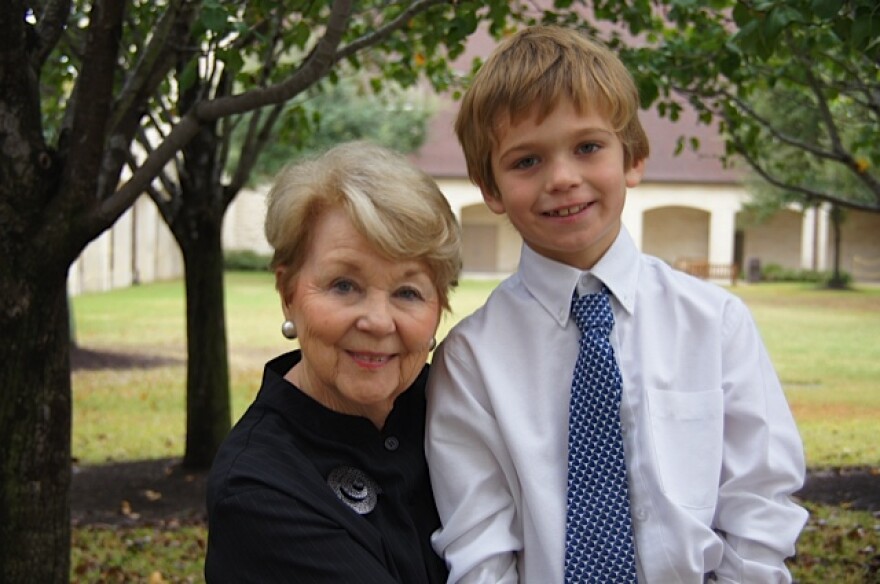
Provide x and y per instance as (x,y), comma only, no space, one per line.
(687,431)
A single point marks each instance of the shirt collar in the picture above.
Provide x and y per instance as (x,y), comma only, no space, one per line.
(619,268)
(553,283)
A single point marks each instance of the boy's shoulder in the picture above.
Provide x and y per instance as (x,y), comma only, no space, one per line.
(508,293)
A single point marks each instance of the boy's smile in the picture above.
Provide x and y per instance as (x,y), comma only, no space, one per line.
(562,182)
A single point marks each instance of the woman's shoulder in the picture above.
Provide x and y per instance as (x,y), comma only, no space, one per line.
(257,450)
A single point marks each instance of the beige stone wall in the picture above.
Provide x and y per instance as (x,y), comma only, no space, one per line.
(860,246)
(775,241)
(243,222)
(481,228)
(139,248)
(676,233)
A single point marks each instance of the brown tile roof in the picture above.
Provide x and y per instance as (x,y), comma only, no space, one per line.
(441,155)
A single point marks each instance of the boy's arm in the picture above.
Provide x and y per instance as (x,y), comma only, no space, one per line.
(763,461)
(469,467)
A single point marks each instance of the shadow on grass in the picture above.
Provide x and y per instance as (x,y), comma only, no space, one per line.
(137,493)
(83,359)
(851,487)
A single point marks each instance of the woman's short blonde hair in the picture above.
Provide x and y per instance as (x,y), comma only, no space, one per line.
(395,206)
(529,73)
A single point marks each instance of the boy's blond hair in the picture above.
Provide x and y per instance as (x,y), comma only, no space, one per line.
(530,72)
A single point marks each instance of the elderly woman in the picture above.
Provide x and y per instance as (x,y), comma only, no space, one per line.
(324,478)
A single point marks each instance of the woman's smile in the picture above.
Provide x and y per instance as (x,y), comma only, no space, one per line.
(370,360)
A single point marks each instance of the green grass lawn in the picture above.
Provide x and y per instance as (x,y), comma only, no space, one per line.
(826,348)
(825,345)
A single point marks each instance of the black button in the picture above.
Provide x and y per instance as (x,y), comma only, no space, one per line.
(392,443)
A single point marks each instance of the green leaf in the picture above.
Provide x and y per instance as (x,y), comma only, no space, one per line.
(213,18)
(826,9)
(300,34)
(648,92)
(729,64)
(232,58)
(742,14)
(865,30)
(748,37)
(188,76)
(777,20)
(679,145)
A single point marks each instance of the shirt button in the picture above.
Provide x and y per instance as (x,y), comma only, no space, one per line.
(392,443)
(640,514)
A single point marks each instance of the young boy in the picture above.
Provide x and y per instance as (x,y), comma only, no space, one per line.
(550,132)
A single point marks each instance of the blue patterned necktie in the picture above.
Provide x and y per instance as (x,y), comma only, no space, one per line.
(598,533)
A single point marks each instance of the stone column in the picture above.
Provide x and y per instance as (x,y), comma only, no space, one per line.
(808,239)
(823,225)
(722,230)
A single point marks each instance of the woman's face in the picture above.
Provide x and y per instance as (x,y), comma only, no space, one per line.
(365,322)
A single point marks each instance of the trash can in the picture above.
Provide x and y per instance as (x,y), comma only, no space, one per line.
(753,270)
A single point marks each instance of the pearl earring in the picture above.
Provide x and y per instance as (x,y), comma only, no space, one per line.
(433,344)
(288,329)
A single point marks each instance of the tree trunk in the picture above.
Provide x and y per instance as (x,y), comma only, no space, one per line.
(208,415)
(35,426)
(837,281)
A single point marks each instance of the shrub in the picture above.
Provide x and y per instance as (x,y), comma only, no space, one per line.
(777,273)
(841,282)
(245,260)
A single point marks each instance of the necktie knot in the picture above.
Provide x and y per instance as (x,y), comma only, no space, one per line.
(593,311)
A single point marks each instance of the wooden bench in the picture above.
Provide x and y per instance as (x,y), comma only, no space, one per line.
(703,269)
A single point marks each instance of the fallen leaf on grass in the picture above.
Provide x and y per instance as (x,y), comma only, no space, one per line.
(152,495)
(857,532)
(125,509)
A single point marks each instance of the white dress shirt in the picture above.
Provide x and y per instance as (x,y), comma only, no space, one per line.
(712,450)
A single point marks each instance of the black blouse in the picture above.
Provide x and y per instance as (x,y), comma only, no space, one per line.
(299,493)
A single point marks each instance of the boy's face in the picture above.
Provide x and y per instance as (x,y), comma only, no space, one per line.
(562,183)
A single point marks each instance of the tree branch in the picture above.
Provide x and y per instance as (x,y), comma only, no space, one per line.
(824,110)
(254,144)
(853,81)
(256,138)
(168,184)
(385,31)
(810,194)
(50,28)
(846,158)
(94,99)
(777,134)
(173,31)
(162,203)
(156,59)
(316,65)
